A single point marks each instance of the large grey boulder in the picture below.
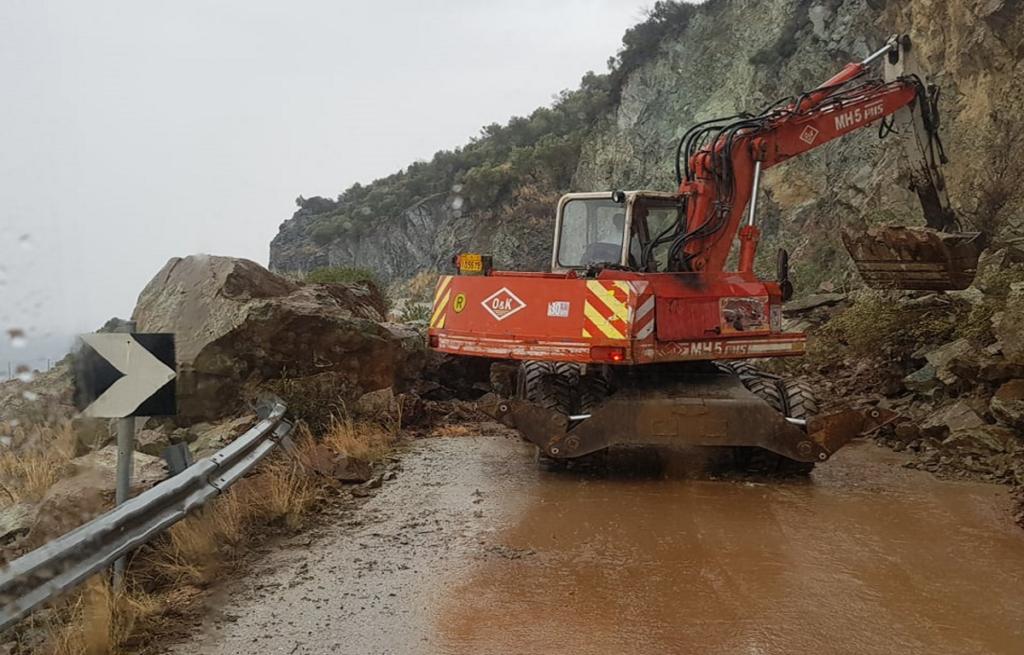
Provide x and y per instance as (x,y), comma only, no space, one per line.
(237,323)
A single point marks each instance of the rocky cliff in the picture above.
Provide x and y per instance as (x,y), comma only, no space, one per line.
(683,65)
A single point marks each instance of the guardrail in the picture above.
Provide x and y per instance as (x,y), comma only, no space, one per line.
(66,562)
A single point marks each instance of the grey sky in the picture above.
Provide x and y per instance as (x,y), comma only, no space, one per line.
(134,131)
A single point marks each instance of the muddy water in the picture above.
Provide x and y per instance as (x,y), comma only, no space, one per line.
(471,550)
(863,559)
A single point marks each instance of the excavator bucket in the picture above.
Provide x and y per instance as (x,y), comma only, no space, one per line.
(915,258)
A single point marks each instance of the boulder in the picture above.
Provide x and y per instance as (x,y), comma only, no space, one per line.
(957,416)
(147,470)
(1007,325)
(942,358)
(981,440)
(238,323)
(343,468)
(89,492)
(152,442)
(376,404)
(812,301)
(208,438)
(924,380)
(16,520)
(89,434)
(71,502)
(1008,404)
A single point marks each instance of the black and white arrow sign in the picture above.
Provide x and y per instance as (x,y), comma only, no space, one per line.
(120,374)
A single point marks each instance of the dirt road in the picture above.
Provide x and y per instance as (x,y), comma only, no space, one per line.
(472,550)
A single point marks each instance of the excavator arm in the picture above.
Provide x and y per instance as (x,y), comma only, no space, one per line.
(724,160)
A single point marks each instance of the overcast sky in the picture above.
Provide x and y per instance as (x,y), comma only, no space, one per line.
(134,131)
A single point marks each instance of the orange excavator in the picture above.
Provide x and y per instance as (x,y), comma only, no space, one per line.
(639,334)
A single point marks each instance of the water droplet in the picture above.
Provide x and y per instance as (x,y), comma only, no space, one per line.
(457,202)
(25,241)
(6,441)
(365,211)
(17,337)
(456,188)
(30,396)
(13,423)
(24,374)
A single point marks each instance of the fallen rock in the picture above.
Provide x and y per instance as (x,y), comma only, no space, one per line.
(343,468)
(942,357)
(951,418)
(812,301)
(1007,325)
(152,442)
(238,323)
(147,470)
(1008,404)
(70,503)
(924,381)
(981,440)
(90,434)
(16,521)
(377,403)
(983,366)
(211,437)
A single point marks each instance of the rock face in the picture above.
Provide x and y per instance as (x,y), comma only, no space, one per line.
(237,323)
(737,55)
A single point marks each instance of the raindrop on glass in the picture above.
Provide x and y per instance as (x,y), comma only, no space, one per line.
(5,441)
(457,202)
(25,241)
(17,337)
(30,396)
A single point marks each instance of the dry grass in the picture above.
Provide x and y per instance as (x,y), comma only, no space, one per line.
(42,461)
(101,621)
(454,430)
(204,547)
(360,439)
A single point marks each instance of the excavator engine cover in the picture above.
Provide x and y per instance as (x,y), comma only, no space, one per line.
(915,258)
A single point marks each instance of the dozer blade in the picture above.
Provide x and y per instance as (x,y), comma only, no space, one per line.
(713,410)
(915,258)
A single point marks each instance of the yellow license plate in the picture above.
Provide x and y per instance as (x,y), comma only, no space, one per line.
(471,263)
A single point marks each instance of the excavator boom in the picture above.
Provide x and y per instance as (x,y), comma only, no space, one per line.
(725,160)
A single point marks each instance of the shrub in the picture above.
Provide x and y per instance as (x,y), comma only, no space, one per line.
(342,275)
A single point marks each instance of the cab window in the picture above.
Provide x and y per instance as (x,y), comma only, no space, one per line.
(592,231)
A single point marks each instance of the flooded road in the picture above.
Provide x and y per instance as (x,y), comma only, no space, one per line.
(472,550)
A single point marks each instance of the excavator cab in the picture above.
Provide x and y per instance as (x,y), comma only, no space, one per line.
(610,229)
(939,256)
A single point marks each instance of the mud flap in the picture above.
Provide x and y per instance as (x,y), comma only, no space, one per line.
(915,258)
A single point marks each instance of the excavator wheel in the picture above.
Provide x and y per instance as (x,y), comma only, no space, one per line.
(550,385)
(795,399)
(593,388)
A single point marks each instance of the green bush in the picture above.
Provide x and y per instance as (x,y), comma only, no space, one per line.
(343,275)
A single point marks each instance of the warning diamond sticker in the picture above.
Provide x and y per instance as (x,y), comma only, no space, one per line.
(502,304)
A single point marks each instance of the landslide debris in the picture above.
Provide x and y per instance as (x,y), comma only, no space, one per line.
(939,360)
(239,325)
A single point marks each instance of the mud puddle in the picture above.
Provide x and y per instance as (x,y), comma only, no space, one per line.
(473,551)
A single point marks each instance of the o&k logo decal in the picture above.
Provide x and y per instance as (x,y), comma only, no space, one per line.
(502,303)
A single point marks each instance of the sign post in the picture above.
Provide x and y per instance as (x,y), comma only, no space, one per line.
(123,375)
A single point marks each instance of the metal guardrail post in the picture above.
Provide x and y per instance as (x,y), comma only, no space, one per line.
(125,460)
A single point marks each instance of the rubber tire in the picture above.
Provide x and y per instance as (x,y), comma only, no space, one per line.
(792,398)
